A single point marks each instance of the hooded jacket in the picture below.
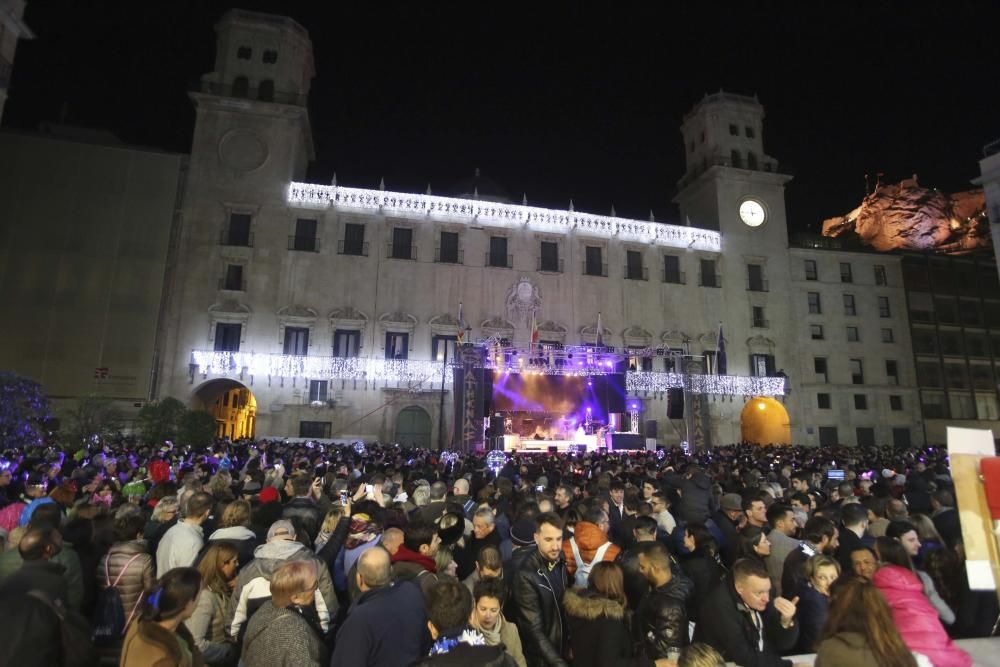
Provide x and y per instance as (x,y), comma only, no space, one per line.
(598,633)
(915,617)
(253,585)
(589,538)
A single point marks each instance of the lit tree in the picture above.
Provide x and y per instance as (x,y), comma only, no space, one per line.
(24,410)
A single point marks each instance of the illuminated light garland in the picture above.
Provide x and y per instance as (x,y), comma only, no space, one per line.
(309,195)
(428,373)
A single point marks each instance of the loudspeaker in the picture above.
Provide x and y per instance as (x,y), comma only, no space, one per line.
(675,403)
(650,428)
(496,426)
(630,441)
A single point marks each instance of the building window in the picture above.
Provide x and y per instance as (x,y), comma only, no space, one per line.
(962,405)
(883,307)
(238,231)
(265,91)
(845,273)
(880,278)
(865,436)
(849,307)
(857,372)
(823,401)
(852,335)
(270,56)
(317,390)
(296,341)
(593,264)
(748,131)
(733,130)
(241,86)
(672,270)
(819,367)
(814,303)
(811,273)
(397,345)
(736,159)
(755,278)
(441,345)
(633,266)
(816,331)
(316,430)
(986,406)
(548,257)
(244,53)
(354,240)
(234,278)
(305,236)
(892,371)
(895,402)
(402,244)
(887,336)
(346,343)
(708,276)
(227,337)
(498,256)
(762,365)
(751,160)
(828,436)
(758,320)
(933,406)
(447,252)
(637,362)
(860,402)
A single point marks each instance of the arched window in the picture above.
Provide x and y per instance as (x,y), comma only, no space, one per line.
(241,86)
(751,161)
(735,158)
(265,91)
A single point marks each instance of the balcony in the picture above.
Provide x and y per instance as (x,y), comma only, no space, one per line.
(709,280)
(499,261)
(760,323)
(550,265)
(262,93)
(303,243)
(595,269)
(233,285)
(449,256)
(675,277)
(236,238)
(757,285)
(401,251)
(636,273)
(357,248)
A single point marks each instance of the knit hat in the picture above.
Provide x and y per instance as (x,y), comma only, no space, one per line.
(269,495)
(134,488)
(732,502)
(522,533)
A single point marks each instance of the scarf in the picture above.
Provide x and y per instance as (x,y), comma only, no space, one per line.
(361,531)
(492,637)
(404,555)
(445,643)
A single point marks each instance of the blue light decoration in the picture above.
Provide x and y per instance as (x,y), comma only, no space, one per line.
(24,411)
(359,447)
(661,454)
(495,461)
(448,458)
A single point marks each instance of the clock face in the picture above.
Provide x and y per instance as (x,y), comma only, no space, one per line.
(752,213)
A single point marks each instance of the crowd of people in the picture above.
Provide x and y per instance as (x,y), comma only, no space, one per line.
(263,553)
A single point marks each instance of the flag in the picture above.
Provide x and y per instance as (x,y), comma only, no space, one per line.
(600,336)
(720,353)
(534,332)
(461,325)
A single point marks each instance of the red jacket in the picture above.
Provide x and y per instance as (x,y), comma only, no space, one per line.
(915,617)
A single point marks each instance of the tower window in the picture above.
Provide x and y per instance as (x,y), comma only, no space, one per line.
(751,160)
(265,91)
(241,87)
(737,161)
(733,130)
(270,56)
(748,131)
(244,53)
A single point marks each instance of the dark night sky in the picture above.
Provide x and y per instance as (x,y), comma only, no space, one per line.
(559,103)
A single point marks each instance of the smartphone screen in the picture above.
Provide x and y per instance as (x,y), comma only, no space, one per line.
(343,497)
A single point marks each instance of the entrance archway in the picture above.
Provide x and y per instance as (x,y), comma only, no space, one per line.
(413,427)
(231,403)
(765,421)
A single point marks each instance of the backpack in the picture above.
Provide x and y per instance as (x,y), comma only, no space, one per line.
(109,613)
(583,569)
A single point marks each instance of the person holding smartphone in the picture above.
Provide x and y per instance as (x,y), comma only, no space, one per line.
(303,508)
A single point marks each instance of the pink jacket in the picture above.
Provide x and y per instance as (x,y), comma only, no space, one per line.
(916,619)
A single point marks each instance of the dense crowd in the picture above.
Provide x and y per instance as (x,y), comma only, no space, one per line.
(299,553)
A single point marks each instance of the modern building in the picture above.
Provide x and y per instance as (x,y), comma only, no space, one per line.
(12,29)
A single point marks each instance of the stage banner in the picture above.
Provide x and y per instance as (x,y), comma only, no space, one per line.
(471,396)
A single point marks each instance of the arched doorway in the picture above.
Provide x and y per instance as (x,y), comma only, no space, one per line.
(232,404)
(413,427)
(765,421)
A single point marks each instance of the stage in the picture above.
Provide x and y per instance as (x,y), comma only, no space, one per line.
(515,443)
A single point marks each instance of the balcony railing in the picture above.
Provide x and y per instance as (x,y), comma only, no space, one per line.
(499,261)
(233,285)
(757,285)
(450,257)
(595,269)
(551,266)
(262,93)
(401,251)
(359,248)
(636,273)
(228,237)
(709,280)
(758,323)
(675,277)
(303,243)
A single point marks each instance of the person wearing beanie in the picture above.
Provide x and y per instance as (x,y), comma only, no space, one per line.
(269,495)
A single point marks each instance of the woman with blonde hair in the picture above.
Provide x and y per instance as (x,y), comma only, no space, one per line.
(700,655)
(235,529)
(218,568)
(814,599)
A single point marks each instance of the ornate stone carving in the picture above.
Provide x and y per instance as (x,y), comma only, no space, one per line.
(523,300)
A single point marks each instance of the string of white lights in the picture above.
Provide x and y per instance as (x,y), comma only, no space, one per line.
(309,195)
(428,373)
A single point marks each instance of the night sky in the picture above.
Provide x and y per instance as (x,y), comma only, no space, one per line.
(558,103)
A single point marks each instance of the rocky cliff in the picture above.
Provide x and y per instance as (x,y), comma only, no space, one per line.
(910,217)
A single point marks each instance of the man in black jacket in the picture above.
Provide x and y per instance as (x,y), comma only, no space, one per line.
(538,587)
(745,627)
(302,510)
(662,616)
